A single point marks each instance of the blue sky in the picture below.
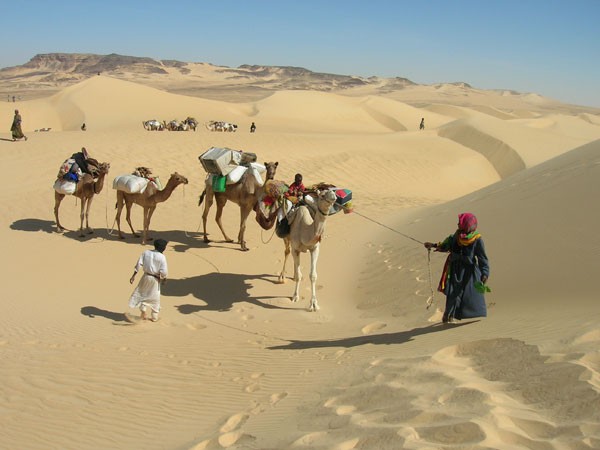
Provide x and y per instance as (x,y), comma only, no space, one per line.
(548,47)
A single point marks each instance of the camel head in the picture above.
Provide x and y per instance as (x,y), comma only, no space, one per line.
(325,200)
(178,179)
(271,169)
(103,167)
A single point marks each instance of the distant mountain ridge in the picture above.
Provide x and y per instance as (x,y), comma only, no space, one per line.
(63,69)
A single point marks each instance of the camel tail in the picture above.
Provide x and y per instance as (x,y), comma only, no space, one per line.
(201,199)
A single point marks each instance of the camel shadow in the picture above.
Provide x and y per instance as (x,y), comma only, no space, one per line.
(218,291)
(93,312)
(399,337)
(47,226)
(179,241)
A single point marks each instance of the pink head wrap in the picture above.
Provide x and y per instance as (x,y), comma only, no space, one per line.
(467,223)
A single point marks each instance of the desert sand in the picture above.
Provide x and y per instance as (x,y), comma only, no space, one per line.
(232,362)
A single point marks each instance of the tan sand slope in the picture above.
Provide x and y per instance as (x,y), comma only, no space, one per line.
(233,363)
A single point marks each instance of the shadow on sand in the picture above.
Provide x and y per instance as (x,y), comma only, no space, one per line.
(219,291)
(399,337)
(93,312)
(46,226)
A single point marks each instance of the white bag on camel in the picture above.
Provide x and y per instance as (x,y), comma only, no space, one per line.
(65,187)
(256,169)
(132,184)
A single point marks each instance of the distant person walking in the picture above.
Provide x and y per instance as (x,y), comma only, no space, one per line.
(422,124)
(465,272)
(17,131)
(147,292)
(252,128)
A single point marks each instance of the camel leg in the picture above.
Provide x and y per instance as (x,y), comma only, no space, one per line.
(128,205)
(208,203)
(57,199)
(84,202)
(147,217)
(120,203)
(297,275)
(87,215)
(314,257)
(88,205)
(244,213)
(220,205)
(286,253)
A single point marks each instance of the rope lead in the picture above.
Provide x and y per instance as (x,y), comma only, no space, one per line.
(431,297)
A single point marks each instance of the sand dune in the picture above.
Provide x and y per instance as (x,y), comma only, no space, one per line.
(232,363)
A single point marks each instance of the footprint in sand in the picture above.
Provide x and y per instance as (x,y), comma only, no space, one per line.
(309,439)
(367,329)
(347,445)
(234,422)
(345,410)
(276,398)
(228,439)
(252,387)
(194,327)
(256,375)
(339,354)
(437,316)
(330,402)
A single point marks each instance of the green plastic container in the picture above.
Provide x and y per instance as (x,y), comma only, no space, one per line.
(219,182)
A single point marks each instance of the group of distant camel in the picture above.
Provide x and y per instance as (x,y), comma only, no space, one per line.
(307,223)
(215,125)
(188,124)
(174,125)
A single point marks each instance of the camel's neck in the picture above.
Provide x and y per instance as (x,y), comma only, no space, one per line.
(318,228)
(164,195)
(99,184)
(319,222)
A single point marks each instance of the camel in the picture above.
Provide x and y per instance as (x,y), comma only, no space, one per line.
(175,125)
(215,125)
(191,123)
(153,125)
(306,231)
(245,193)
(87,187)
(147,200)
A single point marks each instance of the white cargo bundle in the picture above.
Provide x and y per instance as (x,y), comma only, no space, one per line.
(132,184)
(65,187)
(220,161)
(255,169)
